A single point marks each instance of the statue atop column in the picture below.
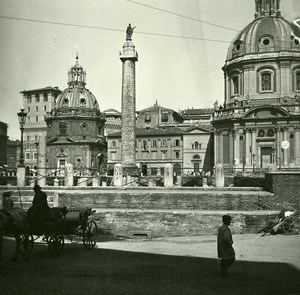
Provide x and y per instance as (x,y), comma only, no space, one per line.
(129,32)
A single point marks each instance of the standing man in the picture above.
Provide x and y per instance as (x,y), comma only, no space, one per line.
(225,249)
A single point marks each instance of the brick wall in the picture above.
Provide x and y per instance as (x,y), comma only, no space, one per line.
(165,212)
(285,186)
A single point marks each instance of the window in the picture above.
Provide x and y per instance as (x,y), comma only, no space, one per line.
(36,119)
(147,117)
(113,143)
(45,108)
(36,109)
(63,128)
(266,82)
(163,142)
(34,156)
(235,85)
(154,144)
(196,145)
(28,137)
(28,109)
(270,133)
(145,145)
(113,155)
(29,99)
(45,97)
(36,137)
(177,142)
(266,78)
(164,116)
(163,155)
(65,102)
(82,102)
(177,154)
(27,156)
(261,133)
(37,98)
(297,81)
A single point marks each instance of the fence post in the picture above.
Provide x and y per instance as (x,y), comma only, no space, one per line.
(168,175)
(118,175)
(69,175)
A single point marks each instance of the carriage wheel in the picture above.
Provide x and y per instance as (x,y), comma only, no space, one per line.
(90,234)
(26,244)
(55,244)
(288,226)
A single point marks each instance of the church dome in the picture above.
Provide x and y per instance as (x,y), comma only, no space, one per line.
(76,95)
(268,33)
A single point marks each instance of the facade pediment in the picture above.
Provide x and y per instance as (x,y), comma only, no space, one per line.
(266,112)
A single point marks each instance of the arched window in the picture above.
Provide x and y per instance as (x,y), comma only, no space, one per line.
(235,85)
(270,133)
(196,145)
(297,80)
(261,133)
(266,84)
(266,79)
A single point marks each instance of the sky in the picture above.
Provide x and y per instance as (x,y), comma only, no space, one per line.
(181,45)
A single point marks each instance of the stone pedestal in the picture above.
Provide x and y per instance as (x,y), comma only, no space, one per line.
(219,175)
(118,175)
(21,176)
(168,175)
(96,181)
(82,181)
(56,182)
(69,175)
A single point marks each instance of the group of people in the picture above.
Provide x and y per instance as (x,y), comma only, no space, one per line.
(37,213)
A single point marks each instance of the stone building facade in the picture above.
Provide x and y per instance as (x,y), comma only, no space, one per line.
(155,147)
(113,121)
(36,102)
(75,127)
(259,122)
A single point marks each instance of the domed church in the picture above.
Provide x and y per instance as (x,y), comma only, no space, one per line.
(75,126)
(259,122)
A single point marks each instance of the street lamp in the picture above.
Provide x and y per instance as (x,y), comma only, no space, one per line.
(22,117)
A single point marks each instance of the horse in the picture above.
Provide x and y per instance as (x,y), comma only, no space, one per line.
(13,222)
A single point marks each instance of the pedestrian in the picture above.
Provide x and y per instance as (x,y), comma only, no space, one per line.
(224,243)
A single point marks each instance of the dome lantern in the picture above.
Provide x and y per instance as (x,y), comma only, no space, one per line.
(265,8)
(76,75)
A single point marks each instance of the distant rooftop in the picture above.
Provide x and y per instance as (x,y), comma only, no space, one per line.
(48,88)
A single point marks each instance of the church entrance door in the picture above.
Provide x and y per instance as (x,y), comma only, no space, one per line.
(266,156)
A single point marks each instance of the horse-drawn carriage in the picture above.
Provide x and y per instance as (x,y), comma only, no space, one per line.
(58,224)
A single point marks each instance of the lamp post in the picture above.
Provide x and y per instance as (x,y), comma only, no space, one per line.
(22,117)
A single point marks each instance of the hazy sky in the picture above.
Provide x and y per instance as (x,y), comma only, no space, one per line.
(179,72)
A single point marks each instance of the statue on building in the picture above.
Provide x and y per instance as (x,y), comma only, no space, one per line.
(129,32)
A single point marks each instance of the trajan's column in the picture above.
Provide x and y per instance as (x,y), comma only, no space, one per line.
(128,57)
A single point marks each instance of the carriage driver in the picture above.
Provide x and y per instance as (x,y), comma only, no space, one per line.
(39,210)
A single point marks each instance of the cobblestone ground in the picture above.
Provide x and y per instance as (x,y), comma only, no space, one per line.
(265,265)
